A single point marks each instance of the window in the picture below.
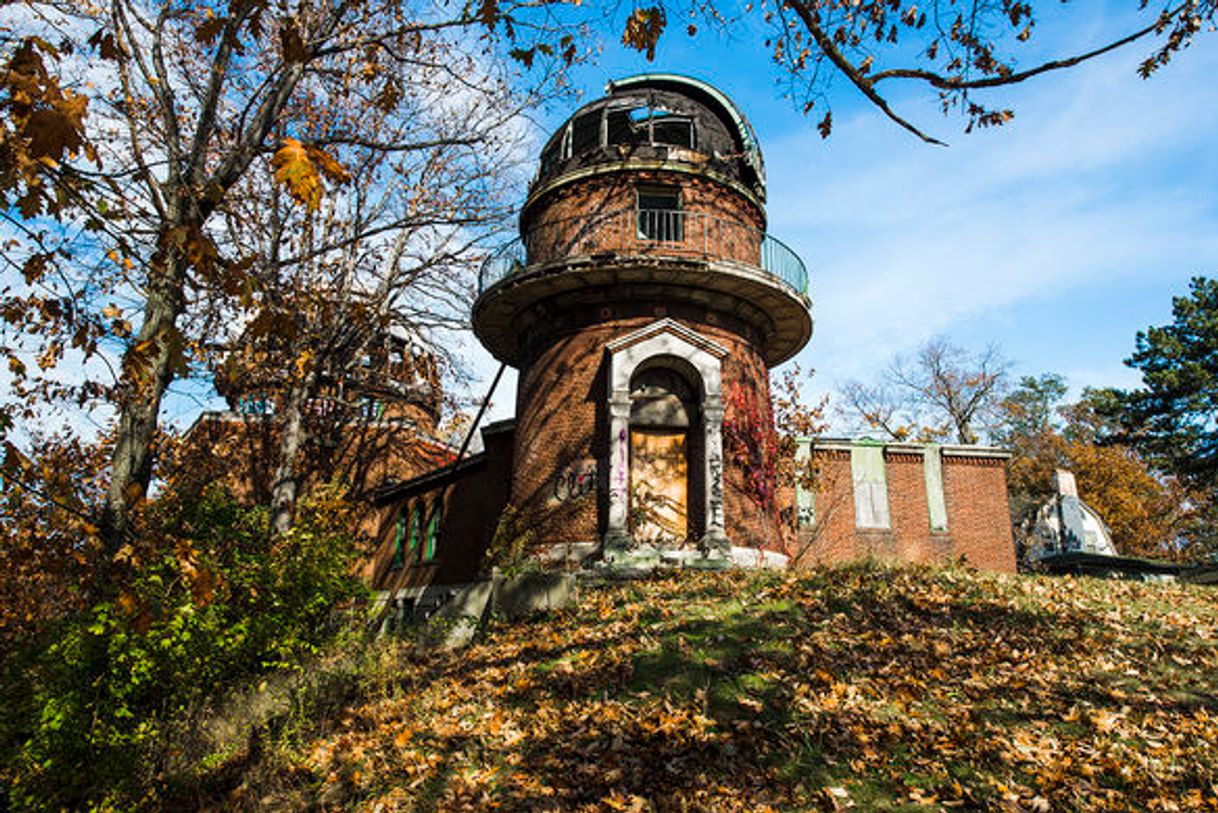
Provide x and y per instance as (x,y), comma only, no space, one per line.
(669,129)
(626,126)
(398,561)
(254,405)
(432,537)
(586,133)
(632,126)
(870,486)
(416,528)
(551,155)
(660,216)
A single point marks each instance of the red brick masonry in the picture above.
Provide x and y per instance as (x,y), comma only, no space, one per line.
(975,490)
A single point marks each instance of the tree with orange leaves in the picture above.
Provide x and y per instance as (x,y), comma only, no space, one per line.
(1147,511)
(125,144)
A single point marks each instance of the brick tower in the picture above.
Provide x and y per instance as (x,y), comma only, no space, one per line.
(643,305)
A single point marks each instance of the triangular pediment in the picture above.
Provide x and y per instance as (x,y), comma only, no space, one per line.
(672,328)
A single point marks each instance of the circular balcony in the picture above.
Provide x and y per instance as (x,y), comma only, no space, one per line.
(706,257)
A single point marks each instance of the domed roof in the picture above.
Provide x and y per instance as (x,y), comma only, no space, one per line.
(658,117)
(1052,535)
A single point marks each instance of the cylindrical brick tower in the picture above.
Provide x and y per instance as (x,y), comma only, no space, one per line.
(643,305)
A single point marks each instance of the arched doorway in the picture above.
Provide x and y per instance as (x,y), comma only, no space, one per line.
(666,345)
(663,411)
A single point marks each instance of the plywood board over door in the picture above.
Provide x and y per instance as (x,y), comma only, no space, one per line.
(659,485)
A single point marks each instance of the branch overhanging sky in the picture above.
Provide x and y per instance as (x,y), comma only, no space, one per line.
(1056,237)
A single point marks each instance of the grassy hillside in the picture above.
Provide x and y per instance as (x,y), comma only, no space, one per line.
(868,688)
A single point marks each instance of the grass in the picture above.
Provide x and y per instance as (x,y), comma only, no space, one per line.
(866,687)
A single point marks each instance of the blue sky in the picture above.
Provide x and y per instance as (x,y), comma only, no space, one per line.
(1056,237)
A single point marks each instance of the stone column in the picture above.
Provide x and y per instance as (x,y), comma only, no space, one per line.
(617,535)
(715,544)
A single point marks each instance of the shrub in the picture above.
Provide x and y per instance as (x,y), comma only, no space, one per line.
(102,696)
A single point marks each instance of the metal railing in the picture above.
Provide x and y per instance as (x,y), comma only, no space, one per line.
(647,232)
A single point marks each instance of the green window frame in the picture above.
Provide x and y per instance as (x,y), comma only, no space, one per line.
(416,527)
(398,560)
(432,537)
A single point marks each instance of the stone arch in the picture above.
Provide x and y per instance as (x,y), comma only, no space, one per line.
(665,343)
(664,394)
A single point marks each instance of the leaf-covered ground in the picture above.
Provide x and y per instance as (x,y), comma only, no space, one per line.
(867,687)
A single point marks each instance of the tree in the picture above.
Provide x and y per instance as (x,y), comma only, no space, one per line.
(942,391)
(1029,427)
(1095,417)
(384,259)
(1031,408)
(955,48)
(117,227)
(1173,417)
(47,538)
(1148,513)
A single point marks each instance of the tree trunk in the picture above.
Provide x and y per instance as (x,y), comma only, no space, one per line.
(147,372)
(285,488)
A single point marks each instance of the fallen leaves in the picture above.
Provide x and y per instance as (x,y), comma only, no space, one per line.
(859,688)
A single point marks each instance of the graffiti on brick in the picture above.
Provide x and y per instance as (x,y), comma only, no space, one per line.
(623,446)
(575,481)
(715,466)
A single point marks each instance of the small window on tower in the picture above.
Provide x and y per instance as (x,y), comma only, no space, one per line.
(586,133)
(660,216)
(626,126)
(398,560)
(669,129)
(551,155)
(432,537)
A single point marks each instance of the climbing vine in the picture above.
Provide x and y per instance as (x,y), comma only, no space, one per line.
(750,441)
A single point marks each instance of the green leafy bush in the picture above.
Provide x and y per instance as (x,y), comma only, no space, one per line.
(104,698)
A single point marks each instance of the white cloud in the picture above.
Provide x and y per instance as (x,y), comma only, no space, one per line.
(1101,179)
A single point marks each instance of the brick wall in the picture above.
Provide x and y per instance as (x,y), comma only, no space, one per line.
(978,518)
(611,192)
(471,495)
(597,215)
(562,431)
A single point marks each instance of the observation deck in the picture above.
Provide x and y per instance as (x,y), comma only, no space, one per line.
(647,202)
(659,255)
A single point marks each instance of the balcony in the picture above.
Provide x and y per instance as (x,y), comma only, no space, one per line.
(654,233)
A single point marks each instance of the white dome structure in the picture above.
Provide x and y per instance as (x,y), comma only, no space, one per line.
(1051,536)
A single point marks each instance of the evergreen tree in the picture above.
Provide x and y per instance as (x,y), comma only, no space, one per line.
(1174,416)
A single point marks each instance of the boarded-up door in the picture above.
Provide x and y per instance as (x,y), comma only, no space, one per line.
(659,485)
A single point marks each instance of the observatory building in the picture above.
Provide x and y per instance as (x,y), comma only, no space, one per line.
(643,305)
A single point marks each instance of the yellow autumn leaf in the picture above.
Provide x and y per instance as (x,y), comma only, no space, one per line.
(329,166)
(302,362)
(296,172)
(300,169)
